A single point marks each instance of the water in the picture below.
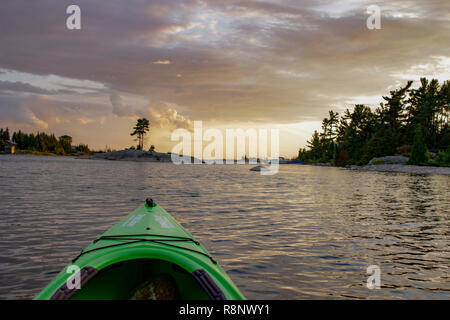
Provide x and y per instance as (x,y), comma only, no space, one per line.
(305,233)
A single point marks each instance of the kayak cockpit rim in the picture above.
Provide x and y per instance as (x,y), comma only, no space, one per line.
(98,283)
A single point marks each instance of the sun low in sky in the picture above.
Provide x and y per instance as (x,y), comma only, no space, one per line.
(231,64)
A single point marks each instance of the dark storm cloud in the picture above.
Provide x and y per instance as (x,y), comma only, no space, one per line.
(28,88)
(38,111)
(277,61)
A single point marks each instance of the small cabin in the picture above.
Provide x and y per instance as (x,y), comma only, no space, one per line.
(10,147)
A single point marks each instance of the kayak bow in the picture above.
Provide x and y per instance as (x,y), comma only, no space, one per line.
(147,255)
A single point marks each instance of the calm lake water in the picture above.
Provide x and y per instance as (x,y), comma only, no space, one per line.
(305,233)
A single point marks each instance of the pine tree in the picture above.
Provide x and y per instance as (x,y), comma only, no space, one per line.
(419,152)
(141,128)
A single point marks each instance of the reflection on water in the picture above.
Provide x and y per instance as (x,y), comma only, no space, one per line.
(306,232)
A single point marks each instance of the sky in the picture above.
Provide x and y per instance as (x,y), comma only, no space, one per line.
(279,64)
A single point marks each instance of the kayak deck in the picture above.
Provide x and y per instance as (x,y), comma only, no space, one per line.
(147,255)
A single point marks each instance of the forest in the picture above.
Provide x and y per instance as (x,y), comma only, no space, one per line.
(41,142)
(409,122)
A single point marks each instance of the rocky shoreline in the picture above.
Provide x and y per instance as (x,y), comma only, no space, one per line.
(129,155)
(395,164)
(134,155)
(387,164)
(400,168)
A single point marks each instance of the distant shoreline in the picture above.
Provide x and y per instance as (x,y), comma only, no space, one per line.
(393,168)
(145,156)
(37,153)
(400,168)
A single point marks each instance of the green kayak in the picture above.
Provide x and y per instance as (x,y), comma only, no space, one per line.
(146,256)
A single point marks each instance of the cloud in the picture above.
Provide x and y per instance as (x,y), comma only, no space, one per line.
(162,62)
(14,110)
(40,111)
(160,114)
(28,88)
(280,61)
(119,109)
(213,27)
(167,117)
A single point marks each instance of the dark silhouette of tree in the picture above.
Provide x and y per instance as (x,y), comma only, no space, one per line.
(315,145)
(419,153)
(392,112)
(427,108)
(140,129)
(4,138)
(42,142)
(65,142)
(359,135)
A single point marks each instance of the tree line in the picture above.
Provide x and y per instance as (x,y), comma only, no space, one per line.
(41,142)
(410,122)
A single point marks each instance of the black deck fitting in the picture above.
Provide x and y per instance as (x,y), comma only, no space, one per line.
(150,202)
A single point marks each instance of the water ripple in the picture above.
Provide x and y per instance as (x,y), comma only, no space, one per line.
(305,233)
